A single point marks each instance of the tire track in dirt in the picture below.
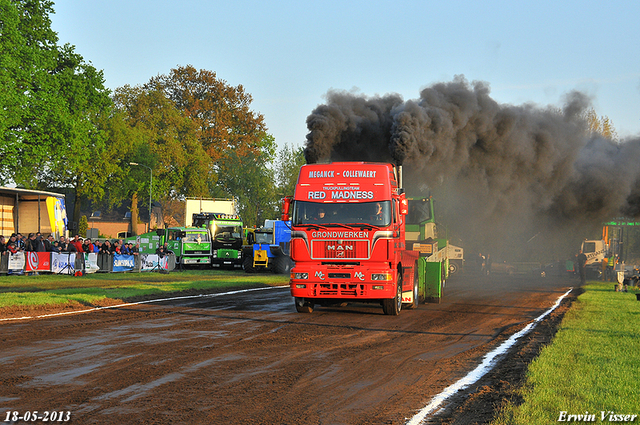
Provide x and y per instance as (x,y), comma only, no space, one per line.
(250,359)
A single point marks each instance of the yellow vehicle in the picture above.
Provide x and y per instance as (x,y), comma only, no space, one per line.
(267,248)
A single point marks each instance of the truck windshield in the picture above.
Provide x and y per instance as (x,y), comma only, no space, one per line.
(196,237)
(588,247)
(264,237)
(419,211)
(228,232)
(375,213)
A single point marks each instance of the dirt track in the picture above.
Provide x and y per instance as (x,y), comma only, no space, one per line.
(251,359)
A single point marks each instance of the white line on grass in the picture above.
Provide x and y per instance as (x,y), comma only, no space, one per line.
(487,364)
(142,302)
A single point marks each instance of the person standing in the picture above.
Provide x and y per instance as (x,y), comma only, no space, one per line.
(582,262)
(77,243)
(480,263)
(30,243)
(124,249)
(106,247)
(62,244)
(55,247)
(48,243)
(19,242)
(39,245)
(87,246)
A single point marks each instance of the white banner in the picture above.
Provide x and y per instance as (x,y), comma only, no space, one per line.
(91,262)
(63,263)
(16,261)
(149,262)
(152,262)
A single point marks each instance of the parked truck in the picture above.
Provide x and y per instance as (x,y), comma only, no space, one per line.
(191,246)
(348,240)
(596,252)
(226,232)
(267,248)
(215,239)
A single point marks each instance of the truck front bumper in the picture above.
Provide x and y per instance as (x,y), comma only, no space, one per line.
(196,260)
(355,283)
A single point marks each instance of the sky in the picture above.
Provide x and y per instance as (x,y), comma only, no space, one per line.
(288,54)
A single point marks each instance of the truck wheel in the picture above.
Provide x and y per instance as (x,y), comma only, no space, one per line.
(247,265)
(453,268)
(392,307)
(416,292)
(283,265)
(303,306)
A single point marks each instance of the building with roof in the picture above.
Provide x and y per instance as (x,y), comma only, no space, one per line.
(30,211)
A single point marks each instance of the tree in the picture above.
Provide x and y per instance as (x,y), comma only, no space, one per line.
(249,180)
(190,128)
(220,112)
(601,125)
(134,214)
(76,142)
(287,168)
(27,53)
(50,104)
(149,130)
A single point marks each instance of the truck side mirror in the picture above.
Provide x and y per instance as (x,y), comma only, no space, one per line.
(286,207)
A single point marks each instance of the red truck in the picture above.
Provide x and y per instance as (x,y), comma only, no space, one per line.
(348,239)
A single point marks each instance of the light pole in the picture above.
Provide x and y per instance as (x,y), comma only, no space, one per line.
(150,185)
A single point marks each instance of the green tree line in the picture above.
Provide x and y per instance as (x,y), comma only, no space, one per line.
(60,127)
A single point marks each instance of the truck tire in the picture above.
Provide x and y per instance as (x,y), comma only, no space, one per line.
(282,265)
(247,265)
(392,307)
(303,306)
(416,292)
(453,268)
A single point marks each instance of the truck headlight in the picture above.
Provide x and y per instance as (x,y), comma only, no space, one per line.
(299,276)
(381,276)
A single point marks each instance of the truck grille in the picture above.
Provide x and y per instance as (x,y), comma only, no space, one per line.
(339,289)
(340,249)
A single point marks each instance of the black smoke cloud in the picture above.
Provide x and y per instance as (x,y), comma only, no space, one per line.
(520,181)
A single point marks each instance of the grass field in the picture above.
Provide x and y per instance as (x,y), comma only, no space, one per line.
(16,291)
(592,367)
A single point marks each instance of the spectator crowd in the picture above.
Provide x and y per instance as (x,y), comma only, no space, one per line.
(35,242)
